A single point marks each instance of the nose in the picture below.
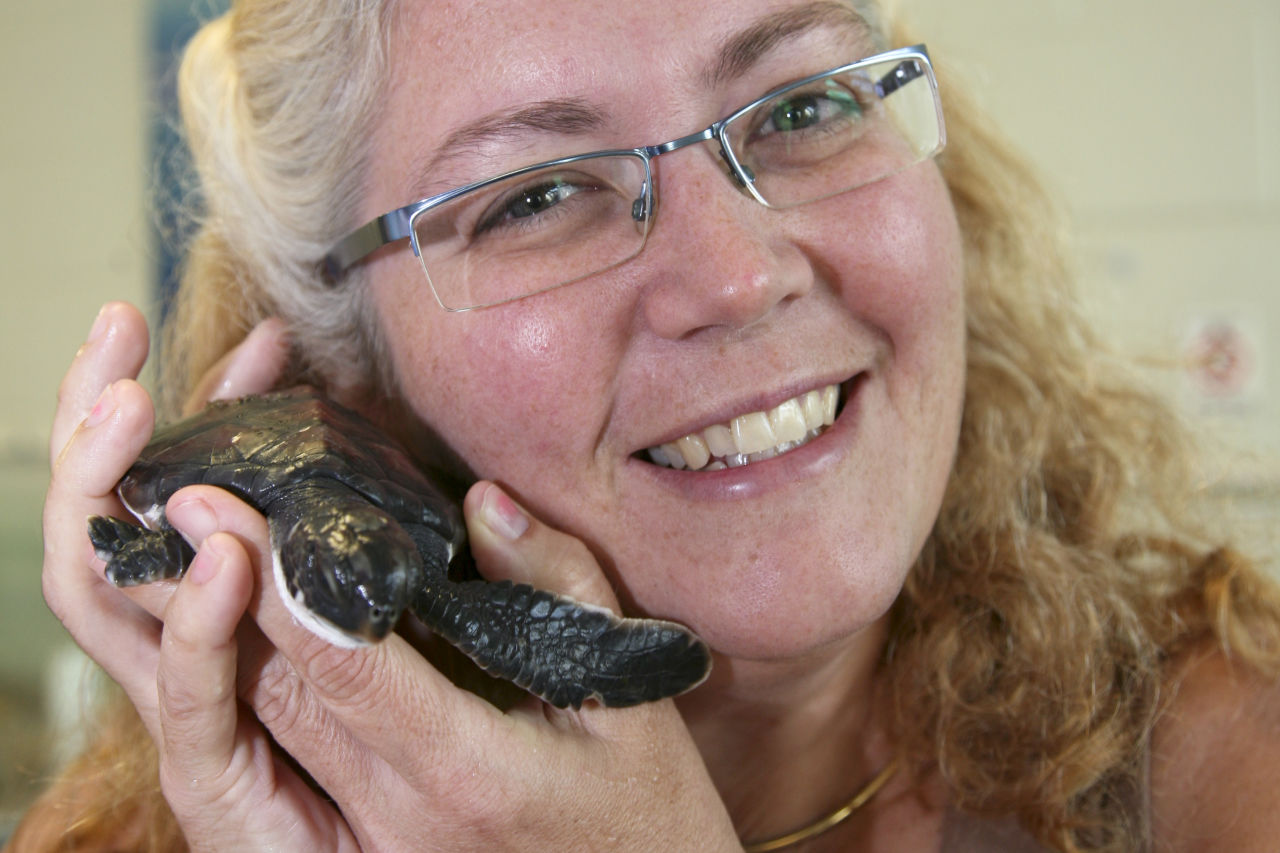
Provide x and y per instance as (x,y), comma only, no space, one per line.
(716,258)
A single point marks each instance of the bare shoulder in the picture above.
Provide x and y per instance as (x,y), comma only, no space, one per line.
(1215,763)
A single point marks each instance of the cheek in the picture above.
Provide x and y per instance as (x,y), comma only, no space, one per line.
(909,278)
(494,385)
(908,287)
(900,274)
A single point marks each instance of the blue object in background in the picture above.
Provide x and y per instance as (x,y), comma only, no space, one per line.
(171,25)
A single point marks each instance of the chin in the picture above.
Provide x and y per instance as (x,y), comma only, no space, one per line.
(778,610)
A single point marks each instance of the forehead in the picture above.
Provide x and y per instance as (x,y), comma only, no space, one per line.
(633,66)
(513,35)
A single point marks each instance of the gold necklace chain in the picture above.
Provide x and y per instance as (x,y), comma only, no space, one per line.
(837,817)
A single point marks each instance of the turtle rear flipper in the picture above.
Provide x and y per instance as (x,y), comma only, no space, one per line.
(135,555)
(562,650)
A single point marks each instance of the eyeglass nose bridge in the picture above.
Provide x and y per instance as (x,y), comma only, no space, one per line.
(642,208)
(683,142)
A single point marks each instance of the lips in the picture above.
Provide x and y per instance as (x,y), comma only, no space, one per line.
(752,437)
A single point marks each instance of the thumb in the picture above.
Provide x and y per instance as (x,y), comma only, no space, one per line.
(510,544)
(619,662)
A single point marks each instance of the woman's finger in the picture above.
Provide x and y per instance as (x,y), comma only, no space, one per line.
(196,676)
(200,513)
(103,418)
(106,442)
(510,544)
(345,684)
(219,771)
(382,708)
(116,632)
(252,367)
(84,477)
(115,349)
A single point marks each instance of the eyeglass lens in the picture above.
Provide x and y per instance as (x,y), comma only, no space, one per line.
(533,231)
(558,224)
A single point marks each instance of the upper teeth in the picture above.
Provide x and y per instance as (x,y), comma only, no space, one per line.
(752,437)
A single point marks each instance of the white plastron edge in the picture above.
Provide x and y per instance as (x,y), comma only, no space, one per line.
(322,628)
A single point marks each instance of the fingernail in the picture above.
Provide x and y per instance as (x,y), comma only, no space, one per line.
(205,565)
(195,518)
(502,514)
(100,325)
(103,408)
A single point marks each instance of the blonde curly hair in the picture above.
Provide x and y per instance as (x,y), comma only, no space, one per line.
(1066,575)
(1033,642)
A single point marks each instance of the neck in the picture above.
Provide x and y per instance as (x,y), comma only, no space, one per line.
(786,742)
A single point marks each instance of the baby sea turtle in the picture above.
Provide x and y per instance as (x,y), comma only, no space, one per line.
(359,535)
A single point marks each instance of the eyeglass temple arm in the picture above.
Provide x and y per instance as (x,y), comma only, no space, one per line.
(366,239)
(902,74)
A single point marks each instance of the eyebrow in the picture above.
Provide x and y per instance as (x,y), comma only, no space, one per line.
(568,116)
(742,50)
(577,116)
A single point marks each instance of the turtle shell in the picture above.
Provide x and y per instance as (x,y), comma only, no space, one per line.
(262,447)
(354,524)
(359,535)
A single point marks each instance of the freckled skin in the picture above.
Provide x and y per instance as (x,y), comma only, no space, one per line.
(728,305)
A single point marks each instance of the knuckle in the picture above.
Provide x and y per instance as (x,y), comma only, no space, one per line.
(343,676)
(183,638)
(570,558)
(59,477)
(70,386)
(204,798)
(278,697)
(183,698)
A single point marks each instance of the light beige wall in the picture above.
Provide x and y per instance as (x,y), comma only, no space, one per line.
(72,235)
(1159,124)
(72,158)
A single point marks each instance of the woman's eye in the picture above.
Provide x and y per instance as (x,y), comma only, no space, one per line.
(529,201)
(795,114)
(811,110)
(544,205)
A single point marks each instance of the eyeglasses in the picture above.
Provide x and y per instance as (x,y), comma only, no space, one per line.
(557,222)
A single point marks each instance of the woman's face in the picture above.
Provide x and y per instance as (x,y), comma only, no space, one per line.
(731,309)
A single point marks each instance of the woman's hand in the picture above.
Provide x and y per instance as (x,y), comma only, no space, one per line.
(411,761)
(415,763)
(102,421)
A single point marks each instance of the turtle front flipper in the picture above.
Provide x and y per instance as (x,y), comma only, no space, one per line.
(135,555)
(562,650)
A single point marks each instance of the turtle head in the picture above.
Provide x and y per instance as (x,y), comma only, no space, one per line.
(347,574)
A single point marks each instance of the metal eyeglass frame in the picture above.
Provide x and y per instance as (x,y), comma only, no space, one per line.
(396,225)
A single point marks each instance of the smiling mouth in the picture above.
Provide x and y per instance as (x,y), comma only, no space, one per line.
(752,437)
